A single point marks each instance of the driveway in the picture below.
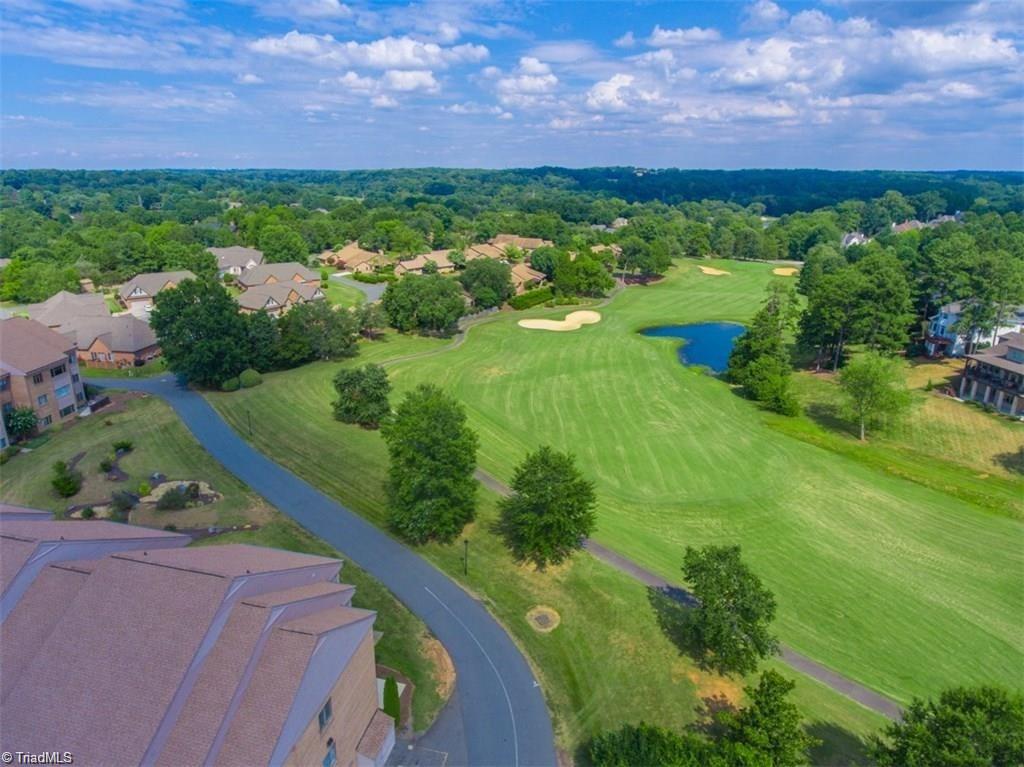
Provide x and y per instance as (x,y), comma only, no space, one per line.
(504,717)
(372,291)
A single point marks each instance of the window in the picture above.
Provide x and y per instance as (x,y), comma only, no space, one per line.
(37,378)
(66,411)
(59,370)
(79,396)
(42,399)
(46,421)
(331,757)
(62,391)
(93,356)
(324,717)
(74,377)
(5,383)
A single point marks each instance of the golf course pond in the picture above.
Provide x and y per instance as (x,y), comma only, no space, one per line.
(706,343)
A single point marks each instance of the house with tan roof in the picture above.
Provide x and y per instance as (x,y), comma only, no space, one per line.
(124,341)
(235,259)
(289,271)
(525,277)
(220,655)
(440,259)
(995,376)
(484,250)
(276,298)
(138,293)
(353,258)
(64,309)
(525,244)
(39,370)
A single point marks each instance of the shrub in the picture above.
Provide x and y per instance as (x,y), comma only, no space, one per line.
(373,279)
(249,378)
(229,278)
(124,446)
(106,465)
(144,488)
(171,528)
(66,481)
(7,454)
(230,384)
(173,500)
(531,298)
(192,491)
(121,502)
(392,703)
(88,512)
(324,277)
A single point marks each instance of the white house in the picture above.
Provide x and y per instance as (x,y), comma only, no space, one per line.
(944,338)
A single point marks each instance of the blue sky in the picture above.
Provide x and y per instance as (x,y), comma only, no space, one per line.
(500,83)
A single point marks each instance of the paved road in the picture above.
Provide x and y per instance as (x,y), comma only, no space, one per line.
(504,717)
(372,291)
(838,682)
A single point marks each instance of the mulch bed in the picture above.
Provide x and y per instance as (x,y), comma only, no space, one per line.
(404,699)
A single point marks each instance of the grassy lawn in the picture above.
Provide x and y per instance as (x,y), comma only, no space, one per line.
(608,662)
(339,294)
(161,444)
(403,644)
(898,584)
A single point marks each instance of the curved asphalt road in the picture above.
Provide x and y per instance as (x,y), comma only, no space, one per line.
(504,715)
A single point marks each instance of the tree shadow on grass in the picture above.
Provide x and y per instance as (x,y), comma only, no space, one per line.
(1013,462)
(837,746)
(672,609)
(826,415)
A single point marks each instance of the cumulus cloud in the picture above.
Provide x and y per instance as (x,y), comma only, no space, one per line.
(411,80)
(667,38)
(626,41)
(304,9)
(248,78)
(385,53)
(531,81)
(383,101)
(763,14)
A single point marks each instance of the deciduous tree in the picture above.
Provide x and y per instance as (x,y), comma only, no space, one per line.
(489,282)
(874,390)
(362,395)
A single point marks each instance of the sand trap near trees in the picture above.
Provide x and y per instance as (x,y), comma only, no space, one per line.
(713,272)
(785,271)
(573,321)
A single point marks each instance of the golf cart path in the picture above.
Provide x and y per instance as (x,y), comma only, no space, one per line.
(837,682)
(505,719)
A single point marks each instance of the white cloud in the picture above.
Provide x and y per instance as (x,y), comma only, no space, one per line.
(248,79)
(385,53)
(531,81)
(667,38)
(626,41)
(304,9)
(810,23)
(529,65)
(411,80)
(351,81)
(470,108)
(142,102)
(763,14)
(383,101)
(609,94)
(932,50)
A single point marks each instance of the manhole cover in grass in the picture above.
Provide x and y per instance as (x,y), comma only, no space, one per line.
(543,619)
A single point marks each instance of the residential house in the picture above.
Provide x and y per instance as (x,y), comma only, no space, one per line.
(353,258)
(418,264)
(63,309)
(87,285)
(525,244)
(39,369)
(944,337)
(620,223)
(908,226)
(113,342)
(138,293)
(235,259)
(525,277)
(995,376)
(484,250)
(276,298)
(854,238)
(10,512)
(268,274)
(220,655)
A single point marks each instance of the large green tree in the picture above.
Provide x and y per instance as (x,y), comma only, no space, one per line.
(362,395)
(316,331)
(488,281)
(20,422)
(201,333)
(874,390)
(759,361)
(431,490)
(280,243)
(729,627)
(551,509)
(965,727)
(427,304)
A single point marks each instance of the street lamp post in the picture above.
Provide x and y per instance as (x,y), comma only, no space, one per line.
(465,557)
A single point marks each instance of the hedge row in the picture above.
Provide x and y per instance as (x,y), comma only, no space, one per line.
(373,278)
(531,298)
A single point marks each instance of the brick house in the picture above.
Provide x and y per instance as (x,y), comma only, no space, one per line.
(114,342)
(219,655)
(235,259)
(39,369)
(138,293)
(276,298)
(267,274)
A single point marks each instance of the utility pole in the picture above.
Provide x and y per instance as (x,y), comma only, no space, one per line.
(465,557)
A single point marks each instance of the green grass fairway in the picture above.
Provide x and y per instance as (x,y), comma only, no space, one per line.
(339,294)
(891,582)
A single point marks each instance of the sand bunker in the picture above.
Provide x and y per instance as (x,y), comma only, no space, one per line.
(785,271)
(543,619)
(712,272)
(574,321)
